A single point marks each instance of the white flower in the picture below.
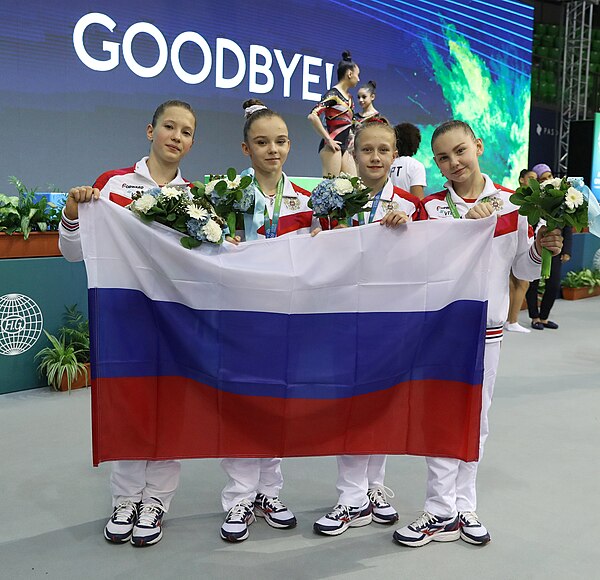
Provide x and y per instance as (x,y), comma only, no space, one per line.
(210,186)
(573,198)
(343,185)
(144,203)
(170,192)
(212,231)
(196,212)
(555,183)
(235,183)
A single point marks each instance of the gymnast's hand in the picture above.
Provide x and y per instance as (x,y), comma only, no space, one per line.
(77,195)
(233,240)
(393,219)
(481,210)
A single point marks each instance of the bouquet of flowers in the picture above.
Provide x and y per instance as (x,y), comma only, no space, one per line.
(229,194)
(173,206)
(555,201)
(339,197)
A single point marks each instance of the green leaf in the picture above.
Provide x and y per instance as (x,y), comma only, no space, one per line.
(221,187)
(245,181)
(231,174)
(188,242)
(42,226)
(534,216)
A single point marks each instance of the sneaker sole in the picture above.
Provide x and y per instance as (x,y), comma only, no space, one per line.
(441,537)
(383,521)
(260,514)
(357,523)
(142,542)
(230,537)
(473,541)
(233,539)
(116,539)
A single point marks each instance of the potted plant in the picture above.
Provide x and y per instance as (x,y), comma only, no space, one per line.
(581,284)
(65,362)
(28,226)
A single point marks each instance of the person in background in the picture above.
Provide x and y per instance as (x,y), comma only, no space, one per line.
(337,107)
(539,310)
(406,172)
(366,96)
(518,288)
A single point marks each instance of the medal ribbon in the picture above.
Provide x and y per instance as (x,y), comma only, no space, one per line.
(271,224)
(452,206)
(361,214)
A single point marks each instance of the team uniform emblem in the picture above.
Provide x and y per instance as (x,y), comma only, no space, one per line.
(494,201)
(292,203)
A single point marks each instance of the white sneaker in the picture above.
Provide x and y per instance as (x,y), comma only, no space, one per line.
(342,517)
(276,514)
(427,528)
(120,526)
(472,530)
(516,327)
(383,512)
(239,517)
(148,529)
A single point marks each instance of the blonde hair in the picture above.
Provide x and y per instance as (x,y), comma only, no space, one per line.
(381,122)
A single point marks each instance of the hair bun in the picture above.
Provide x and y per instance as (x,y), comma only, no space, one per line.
(252,105)
(373,84)
(346,55)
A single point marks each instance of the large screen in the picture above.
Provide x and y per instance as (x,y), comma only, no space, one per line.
(81,79)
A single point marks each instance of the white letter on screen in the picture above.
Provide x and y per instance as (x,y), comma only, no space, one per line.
(111,47)
(163,49)
(287,71)
(264,69)
(309,78)
(328,73)
(186,77)
(220,81)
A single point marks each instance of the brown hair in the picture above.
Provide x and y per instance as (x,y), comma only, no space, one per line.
(449,126)
(172,103)
(260,114)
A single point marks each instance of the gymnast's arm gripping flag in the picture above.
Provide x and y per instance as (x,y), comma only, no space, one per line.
(361,340)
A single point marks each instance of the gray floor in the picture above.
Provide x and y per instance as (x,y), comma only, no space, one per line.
(537,489)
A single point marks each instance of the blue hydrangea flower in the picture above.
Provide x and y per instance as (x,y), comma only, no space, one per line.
(325,198)
(247,201)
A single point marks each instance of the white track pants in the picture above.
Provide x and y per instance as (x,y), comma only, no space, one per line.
(142,480)
(249,476)
(451,483)
(356,475)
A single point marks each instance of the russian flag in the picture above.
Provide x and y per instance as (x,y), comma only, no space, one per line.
(358,341)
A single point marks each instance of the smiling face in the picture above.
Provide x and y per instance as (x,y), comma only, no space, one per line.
(456,154)
(173,135)
(365,98)
(374,151)
(267,144)
(545,176)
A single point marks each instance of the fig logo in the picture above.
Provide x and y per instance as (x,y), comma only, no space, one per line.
(21,323)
